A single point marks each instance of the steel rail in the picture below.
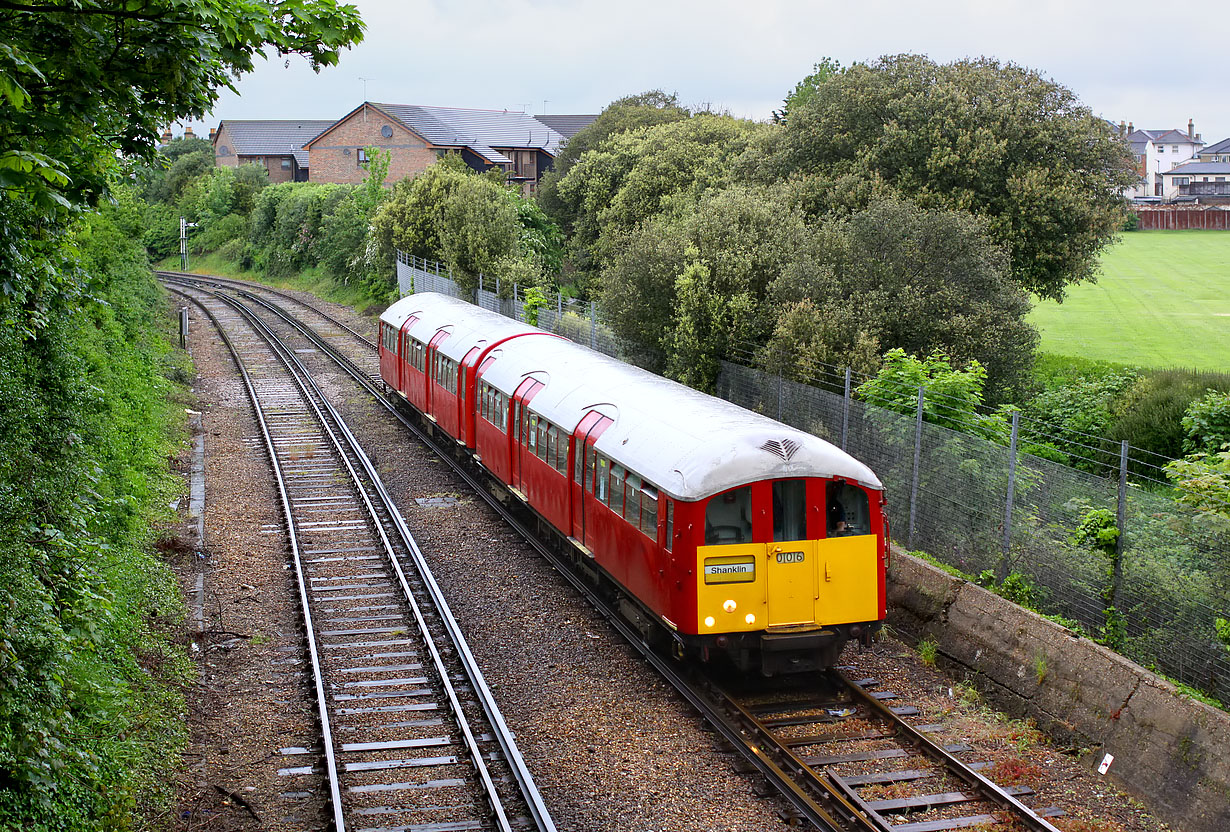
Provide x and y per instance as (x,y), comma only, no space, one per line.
(303,377)
(339,820)
(984,787)
(501,731)
(226,282)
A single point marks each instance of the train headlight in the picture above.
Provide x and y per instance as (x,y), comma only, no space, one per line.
(728,605)
(750,618)
(709,622)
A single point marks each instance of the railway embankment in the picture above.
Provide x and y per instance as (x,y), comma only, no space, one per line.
(1168,749)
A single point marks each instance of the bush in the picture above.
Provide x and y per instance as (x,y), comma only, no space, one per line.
(90,708)
(1207,423)
(1149,414)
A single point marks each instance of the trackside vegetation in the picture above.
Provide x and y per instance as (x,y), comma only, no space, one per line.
(91,659)
(91,664)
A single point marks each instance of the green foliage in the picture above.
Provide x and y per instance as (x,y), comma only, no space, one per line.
(898,276)
(1131,222)
(89,709)
(1098,530)
(409,219)
(1071,413)
(1222,628)
(997,140)
(806,89)
(928,651)
(1203,483)
(951,398)
(1149,415)
(1018,588)
(1207,423)
(628,113)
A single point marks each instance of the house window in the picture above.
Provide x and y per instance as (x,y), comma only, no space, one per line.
(1220,179)
(1181,180)
(1174,148)
(286,164)
(361,155)
(1161,148)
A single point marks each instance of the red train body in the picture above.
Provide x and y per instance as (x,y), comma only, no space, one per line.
(723,531)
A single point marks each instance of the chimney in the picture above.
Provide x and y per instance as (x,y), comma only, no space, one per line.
(188,134)
(213,131)
(1131,129)
(1122,127)
(1198,138)
(1191,129)
(166,135)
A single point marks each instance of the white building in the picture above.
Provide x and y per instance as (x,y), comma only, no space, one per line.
(1157,152)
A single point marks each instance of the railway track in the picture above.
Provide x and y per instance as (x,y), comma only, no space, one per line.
(871,763)
(411,738)
(840,757)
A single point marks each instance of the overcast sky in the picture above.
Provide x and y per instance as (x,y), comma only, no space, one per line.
(1151,63)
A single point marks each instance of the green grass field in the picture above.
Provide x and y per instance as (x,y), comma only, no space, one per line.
(1162,300)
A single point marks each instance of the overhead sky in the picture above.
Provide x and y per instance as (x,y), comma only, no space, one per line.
(1150,63)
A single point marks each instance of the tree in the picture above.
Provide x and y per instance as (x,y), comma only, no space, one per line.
(478,230)
(409,220)
(805,90)
(952,396)
(84,81)
(628,113)
(994,139)
(899,276)
(636,174)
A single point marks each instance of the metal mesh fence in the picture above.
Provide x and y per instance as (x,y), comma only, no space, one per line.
(973,504)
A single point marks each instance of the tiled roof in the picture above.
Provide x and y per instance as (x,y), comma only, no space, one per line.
(271,137)
(566,125)
(478,130)
(1194,168)
(1222,146)
(1162,137)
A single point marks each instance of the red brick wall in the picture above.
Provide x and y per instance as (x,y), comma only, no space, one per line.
(329,162)
(221,140)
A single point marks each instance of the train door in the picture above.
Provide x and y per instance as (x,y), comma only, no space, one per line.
(403,355)
(583,465)
(433,348)
(791,567)
(466,384)
(522,396)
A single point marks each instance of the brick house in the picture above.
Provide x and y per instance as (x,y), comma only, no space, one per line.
(275,145)
(414,136)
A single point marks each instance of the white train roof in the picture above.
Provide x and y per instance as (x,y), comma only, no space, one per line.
(689,444)
(469,325)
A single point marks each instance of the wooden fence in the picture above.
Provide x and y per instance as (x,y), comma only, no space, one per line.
(1174,218)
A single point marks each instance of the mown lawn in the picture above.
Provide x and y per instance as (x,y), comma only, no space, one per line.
(1161,300)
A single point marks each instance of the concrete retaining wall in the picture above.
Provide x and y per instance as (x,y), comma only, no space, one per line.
(1170,751)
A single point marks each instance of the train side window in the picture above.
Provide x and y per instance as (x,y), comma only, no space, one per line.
(789,510)
(728,517)
(632,500)
(589,471)
(531,433)
(561,452)
(617,489)
(602,484)
(670,523)
(543,432)
(846,510)
(649,510)
(517,422)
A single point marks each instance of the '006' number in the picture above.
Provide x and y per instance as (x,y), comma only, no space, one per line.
(789,557)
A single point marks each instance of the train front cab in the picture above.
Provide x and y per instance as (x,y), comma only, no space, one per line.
(787,571)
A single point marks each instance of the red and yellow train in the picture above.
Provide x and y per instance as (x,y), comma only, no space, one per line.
(723,531)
